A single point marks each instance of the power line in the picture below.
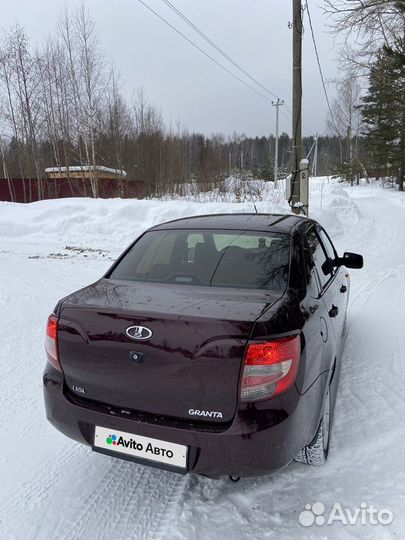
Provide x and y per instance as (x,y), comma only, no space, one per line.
(213,44)
(205,53)
(227,57)
(217,48)
(320,70)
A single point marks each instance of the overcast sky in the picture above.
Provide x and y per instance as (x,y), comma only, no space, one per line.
(186,85)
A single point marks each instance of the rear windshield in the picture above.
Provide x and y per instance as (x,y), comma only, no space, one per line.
(209,258)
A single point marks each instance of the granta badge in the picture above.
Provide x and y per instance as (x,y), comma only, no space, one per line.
(208,414)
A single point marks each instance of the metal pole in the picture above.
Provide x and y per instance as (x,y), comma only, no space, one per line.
(304,186)
(277,105)
(297,105)
(316,157)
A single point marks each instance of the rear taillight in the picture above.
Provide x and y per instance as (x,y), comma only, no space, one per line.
(270,368)
(51,342)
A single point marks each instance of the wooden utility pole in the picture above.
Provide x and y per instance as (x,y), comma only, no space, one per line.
(297,105)
(277,104)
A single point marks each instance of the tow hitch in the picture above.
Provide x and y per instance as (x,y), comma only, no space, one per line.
(234,478)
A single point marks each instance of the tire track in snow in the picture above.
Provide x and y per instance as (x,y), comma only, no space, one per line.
(32,495)
(101,506)
(368,289)
(126,501)
(168,519)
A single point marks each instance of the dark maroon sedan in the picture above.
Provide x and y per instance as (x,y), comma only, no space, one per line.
(211,346)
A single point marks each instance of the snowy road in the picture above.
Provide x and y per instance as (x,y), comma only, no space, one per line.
(51,487)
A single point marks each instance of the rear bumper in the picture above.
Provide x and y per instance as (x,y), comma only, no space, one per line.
(260,440)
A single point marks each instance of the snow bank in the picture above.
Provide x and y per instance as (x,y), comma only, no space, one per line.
(105,223)
(114,223)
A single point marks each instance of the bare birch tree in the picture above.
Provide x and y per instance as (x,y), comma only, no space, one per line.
(25,72)
(8,111)
(93,87)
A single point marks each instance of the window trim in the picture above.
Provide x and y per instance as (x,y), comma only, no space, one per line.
(321,229)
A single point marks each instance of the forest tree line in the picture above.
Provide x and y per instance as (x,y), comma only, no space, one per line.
(61,105)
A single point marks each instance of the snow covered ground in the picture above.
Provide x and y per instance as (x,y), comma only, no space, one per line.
(53,488)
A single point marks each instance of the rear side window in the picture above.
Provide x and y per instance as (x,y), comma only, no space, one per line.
(211,258)
(315,256)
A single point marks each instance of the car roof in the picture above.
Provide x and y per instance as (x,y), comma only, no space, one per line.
(281,223)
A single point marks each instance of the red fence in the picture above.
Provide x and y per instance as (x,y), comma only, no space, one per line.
(26,190)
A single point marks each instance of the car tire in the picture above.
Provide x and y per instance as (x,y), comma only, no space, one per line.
(316,452)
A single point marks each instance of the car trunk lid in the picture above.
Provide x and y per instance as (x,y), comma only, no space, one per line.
(190,365)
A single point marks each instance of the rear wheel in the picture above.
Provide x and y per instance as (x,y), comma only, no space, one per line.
(316,453)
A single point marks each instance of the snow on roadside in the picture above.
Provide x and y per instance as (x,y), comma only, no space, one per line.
(54,488)
(114,223)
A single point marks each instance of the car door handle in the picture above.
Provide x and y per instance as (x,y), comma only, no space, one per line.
(333,311)
(343,288)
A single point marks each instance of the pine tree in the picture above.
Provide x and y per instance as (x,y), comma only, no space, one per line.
(266,171)
(397,55)
(382,112)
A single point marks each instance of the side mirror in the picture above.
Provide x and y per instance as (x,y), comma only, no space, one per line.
(350,260)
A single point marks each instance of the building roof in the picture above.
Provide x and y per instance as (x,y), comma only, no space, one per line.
(86,168)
